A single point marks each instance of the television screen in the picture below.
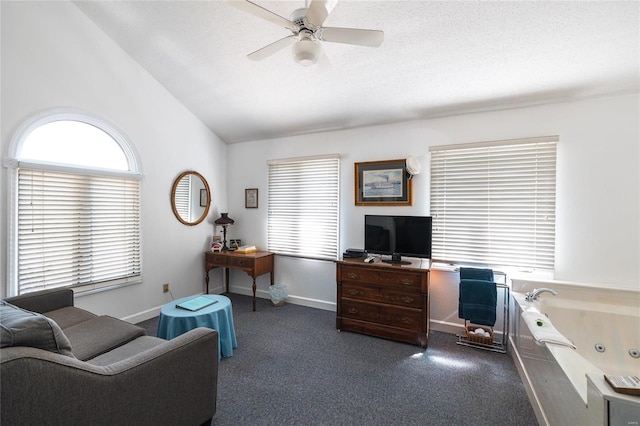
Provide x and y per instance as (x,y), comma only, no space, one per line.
(398,236)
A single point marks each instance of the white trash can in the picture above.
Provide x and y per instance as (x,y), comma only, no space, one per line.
(278,293)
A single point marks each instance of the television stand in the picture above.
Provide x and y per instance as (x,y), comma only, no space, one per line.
(383,300)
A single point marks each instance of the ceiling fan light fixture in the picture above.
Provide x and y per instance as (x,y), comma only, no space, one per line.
(306,52)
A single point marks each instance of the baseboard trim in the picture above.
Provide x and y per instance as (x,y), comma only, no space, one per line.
(143,316)
(294,300)
(446,327)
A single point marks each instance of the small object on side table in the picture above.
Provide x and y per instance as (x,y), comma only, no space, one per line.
(224,220)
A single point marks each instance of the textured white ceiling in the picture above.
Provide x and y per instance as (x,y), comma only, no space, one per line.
(438,58)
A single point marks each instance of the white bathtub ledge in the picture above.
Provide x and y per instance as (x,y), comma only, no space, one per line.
(575,367)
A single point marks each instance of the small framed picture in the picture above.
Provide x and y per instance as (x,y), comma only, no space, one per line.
(203,198)
(251,198)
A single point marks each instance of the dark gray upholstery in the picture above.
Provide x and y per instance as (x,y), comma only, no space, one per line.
(69,316)
(99,335)
(19,327)
(43,301)
(127,350)
(142,380)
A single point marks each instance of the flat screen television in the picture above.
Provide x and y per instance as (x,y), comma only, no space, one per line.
(398,236)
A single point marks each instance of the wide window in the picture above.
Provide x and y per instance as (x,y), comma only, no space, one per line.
(77,207)
(303,207)
(493,203)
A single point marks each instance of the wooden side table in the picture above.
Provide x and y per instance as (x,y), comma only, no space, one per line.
(254,264)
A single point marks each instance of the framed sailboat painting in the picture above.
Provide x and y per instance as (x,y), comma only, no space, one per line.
(382,183)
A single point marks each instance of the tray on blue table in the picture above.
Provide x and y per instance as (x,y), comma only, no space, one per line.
(196,303)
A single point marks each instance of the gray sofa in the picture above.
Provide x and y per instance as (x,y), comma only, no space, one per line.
(62,365)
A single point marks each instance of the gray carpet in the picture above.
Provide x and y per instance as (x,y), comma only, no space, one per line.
(292,367)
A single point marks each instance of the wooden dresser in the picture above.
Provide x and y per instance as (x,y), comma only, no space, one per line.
(384,300)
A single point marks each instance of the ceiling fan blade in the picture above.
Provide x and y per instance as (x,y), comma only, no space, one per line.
(370,38)
(323,61)
(272,48)
(319,10)
(263,13)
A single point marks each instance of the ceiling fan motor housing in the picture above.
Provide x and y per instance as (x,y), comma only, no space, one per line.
(298,17)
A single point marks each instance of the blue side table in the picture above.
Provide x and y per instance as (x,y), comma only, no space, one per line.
(174,321)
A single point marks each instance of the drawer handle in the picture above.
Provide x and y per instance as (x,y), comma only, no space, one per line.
(353,311)
(407,282)
(352,275)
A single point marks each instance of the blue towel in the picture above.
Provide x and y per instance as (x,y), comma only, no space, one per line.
(476,274)
(477,302)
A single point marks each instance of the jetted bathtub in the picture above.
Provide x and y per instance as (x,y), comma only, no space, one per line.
(566,385)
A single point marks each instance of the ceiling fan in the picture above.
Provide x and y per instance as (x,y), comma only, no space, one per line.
(307,31)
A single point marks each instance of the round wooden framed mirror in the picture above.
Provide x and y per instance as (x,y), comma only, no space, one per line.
(190,198)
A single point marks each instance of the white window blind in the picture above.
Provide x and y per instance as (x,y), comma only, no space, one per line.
(77,230)
(303,207)
(494,203)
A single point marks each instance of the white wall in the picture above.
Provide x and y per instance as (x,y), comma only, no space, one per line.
(598,188)
(54,57)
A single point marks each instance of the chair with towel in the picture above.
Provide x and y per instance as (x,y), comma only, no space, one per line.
(477,301)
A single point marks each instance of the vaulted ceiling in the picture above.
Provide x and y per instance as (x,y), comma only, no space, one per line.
(437,59)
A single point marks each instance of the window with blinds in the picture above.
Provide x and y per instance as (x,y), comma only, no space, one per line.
(77,230)
(303,207)
(75,194)
(494,203)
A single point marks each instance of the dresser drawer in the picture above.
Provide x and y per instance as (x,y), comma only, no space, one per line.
(405,318)
(379,294)
(374,275)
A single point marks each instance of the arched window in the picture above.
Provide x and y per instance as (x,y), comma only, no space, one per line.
(76,203)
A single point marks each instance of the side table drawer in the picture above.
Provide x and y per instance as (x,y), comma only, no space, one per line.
(214,259)
(241,262)
(399,279)
(382,295)
(408,319)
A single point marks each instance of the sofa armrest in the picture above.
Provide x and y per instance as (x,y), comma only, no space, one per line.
(172,383)
(44,300)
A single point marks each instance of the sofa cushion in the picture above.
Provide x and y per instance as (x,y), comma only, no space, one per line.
(19,327)
(127,350)
(69,316)
(99,335)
